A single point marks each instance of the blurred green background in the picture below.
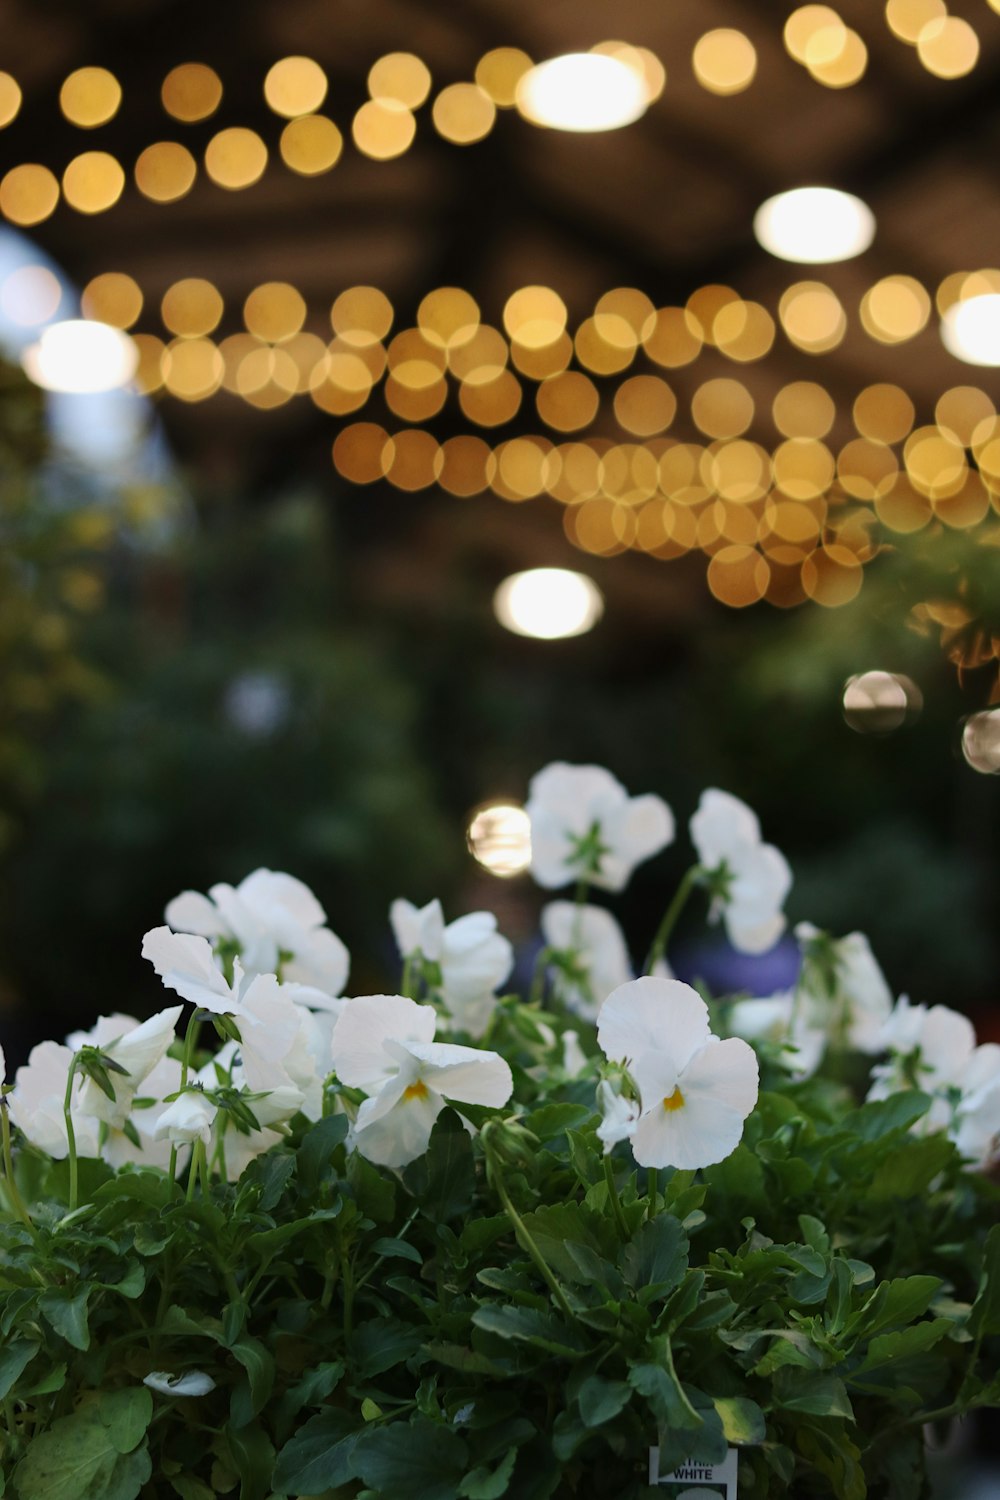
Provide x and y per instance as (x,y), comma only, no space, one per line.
(195,684)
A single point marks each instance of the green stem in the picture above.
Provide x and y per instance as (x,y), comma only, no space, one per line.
(616,1204)
(521,1231)
(673,911)
(406,983)
(8,1166)
(74,1176)
(652,1185)
(537,992)
(197,1161)
(190,1038)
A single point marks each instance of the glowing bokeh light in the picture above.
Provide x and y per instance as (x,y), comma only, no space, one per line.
(814,225)
(548,604)
(499,837)
(582,91)
(970,330)
(79,357)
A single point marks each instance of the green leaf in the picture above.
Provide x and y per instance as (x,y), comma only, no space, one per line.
(259,1365)
(419,1461)
(270,1174)
(657,1256)
(191,1489)
(14,1359)
(132,1284)
(872,1122)
(77,1458)
(817,1394)
(889,1347)
(374,1192)
(601,1400)
(68,1316)
(558,1226)
(311,1389)
(740,1180)
(530,1326)
(742,1419)
(909,1170)
(318,1146)
(483,1484)
(469,1361)
(151,1188)
(985,1316)
(665,1394)
(320,1455)
(553,1120)
(252,1453)
(382,1343)
(126,1414)
(443,1180)
(398,1250)
(894,1302)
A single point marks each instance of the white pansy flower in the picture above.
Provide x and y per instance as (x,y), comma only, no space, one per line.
(194,1383)
(280,1042)
(188,965)
(272,919)
(234,1147)
(36,1105)
(384,1045)
(752,879)
(138,1048)
(118,1149)
(695,1091)
(843,989)
(784,1020)
(976,1126)
(594,957)
(418,929)
(934,1050)
(188,1119)
(619,1115)
(3,1068)
(584,825)
(472,958)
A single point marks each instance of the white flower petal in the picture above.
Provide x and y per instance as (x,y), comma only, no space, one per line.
(363,1028)
(186,964)
(192,912)
(650,1021)
(467,1074)
(188,1119)
(636,831)
(721,826)
(697,1135)
(417,929)
(593,935)
(399,1136)
(193,1383)
(271,892)
(320,961)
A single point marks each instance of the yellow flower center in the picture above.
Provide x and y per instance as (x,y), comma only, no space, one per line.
(418,1090)
(674,1101)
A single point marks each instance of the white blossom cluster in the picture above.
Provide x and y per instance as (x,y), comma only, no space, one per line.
(261,962)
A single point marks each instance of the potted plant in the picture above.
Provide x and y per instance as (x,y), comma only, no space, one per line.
(452,1244)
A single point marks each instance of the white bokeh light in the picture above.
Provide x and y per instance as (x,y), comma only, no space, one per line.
(499,836)
(80,357)
(582,91)
(814,225)
(548,604)
(971,330)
